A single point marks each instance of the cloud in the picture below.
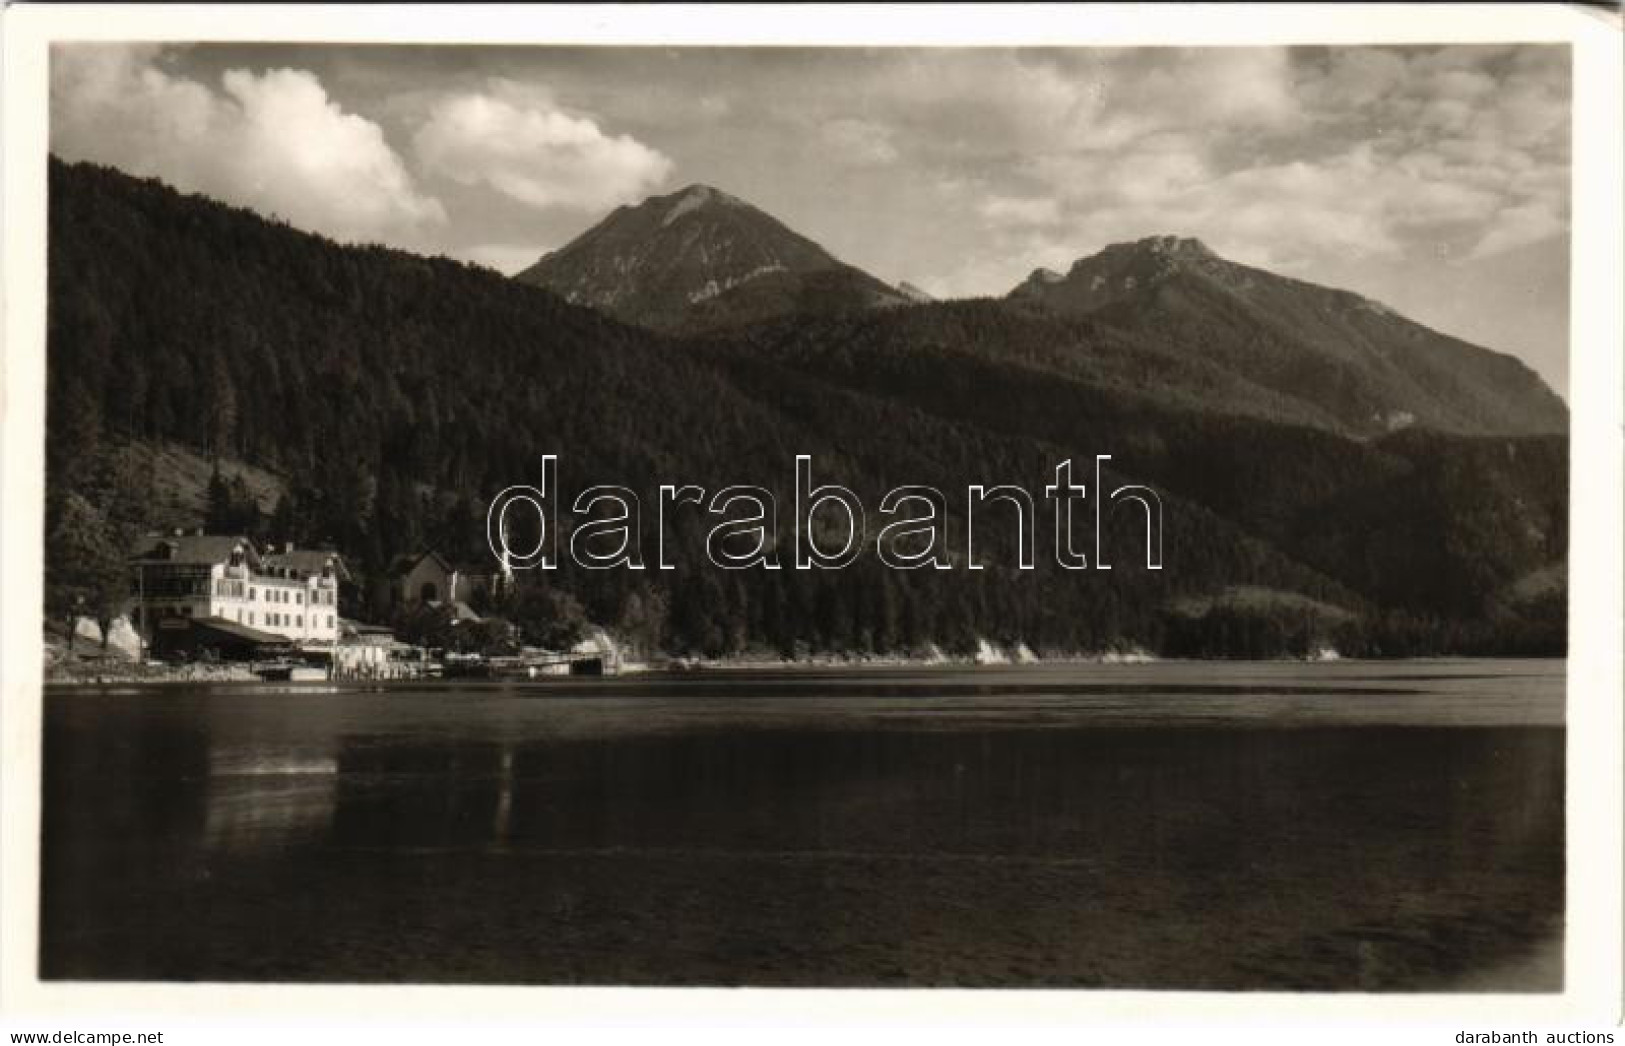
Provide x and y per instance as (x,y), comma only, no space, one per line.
(946,165)
(860,141)
(514,140)
(1236,87)
(274,141)
(994,271)
(1520,226)
(1369,153)
(506,258)
(1019,211)
(986,103)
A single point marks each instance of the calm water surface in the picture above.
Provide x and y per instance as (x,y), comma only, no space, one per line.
(1342,826)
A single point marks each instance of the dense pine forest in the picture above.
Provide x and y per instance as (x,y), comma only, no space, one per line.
(393,395)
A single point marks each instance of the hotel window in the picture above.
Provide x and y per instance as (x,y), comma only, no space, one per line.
(251,594)
(330,621)
(299,622)
(300,598)
(251,617)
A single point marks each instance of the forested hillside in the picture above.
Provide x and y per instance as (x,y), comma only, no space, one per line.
(1360,367)
(393,395)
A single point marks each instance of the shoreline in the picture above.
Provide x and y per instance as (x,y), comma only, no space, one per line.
(214,674)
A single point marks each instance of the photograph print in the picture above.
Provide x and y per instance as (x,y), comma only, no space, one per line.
(1068,517)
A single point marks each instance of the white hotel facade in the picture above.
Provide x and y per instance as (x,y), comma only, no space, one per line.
(288,593)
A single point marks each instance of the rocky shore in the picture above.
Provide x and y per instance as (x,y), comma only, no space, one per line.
(104,673)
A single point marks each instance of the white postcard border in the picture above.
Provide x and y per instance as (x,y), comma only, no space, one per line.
(1593,957)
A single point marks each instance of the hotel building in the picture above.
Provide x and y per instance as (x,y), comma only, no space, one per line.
(281,591)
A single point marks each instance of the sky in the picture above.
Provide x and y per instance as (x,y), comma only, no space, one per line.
(1432,179)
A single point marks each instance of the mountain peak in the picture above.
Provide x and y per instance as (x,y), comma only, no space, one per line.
(1165,246)
(696,197)
(1366,367)
(1129,267)
(1188,247)
(699,257)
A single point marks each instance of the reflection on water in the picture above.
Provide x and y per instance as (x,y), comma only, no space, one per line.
(1327,827)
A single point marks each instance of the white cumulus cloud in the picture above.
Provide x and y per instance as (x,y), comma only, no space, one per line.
(518,143)
(274,142)
(1356,153)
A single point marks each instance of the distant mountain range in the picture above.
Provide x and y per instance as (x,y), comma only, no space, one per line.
(1362,366)
(391,395)
(1236,337)
(701,258)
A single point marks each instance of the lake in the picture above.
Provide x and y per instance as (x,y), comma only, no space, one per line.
(1374,826)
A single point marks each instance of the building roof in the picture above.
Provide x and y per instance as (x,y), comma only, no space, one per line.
(403,565)
(237,631)
(200,549)
(407,563)
(307,561)
(208,549)
(457,611)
